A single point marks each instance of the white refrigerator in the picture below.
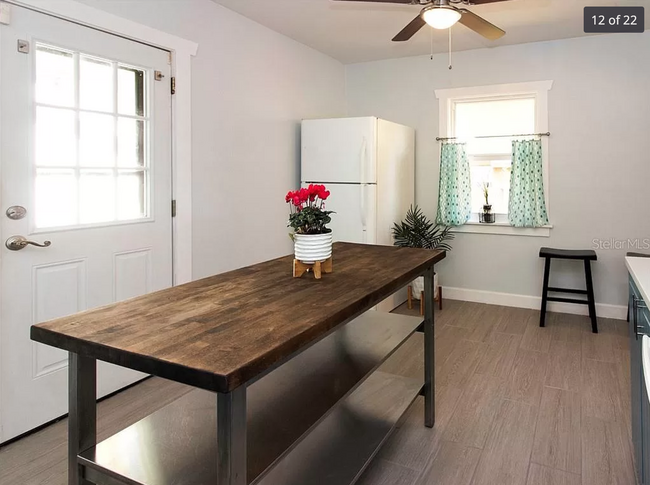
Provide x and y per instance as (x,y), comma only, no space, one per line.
(368,165)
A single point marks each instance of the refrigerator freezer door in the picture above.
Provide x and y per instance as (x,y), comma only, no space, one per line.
(355,212)
(339,150)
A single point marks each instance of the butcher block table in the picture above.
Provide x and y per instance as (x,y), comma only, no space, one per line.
(299,381)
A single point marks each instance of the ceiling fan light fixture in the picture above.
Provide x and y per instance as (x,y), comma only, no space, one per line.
(441,17)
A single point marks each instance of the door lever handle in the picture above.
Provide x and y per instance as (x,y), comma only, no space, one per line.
(16,243)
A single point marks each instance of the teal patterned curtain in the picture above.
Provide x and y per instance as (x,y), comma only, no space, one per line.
(527,205)
(454,199)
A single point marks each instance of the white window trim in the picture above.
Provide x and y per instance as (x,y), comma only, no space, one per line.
(182,51)
(538,89)
(503,229)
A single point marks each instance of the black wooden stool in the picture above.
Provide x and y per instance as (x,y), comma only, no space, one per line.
(585,255)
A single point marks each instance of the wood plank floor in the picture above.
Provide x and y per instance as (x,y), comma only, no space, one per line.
(516,405)
(40,458)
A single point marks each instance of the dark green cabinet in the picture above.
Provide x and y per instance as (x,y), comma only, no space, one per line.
(639,325)
(645,432)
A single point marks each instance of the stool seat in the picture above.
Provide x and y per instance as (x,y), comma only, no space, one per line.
(582,254)
(637,255)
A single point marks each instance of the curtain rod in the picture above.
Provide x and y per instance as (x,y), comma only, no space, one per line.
(548,133)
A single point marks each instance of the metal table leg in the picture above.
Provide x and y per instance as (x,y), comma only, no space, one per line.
(429,374)
(231,437)
(82,420)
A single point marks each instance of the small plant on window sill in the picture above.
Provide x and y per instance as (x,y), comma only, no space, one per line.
(487,217)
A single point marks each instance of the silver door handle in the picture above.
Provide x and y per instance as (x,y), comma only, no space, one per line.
(636,304)
(16,243)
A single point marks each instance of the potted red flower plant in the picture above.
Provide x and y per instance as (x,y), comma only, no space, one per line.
(311,238)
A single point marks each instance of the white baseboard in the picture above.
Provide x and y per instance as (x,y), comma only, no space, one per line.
(533,302)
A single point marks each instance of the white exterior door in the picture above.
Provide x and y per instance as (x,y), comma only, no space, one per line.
(86,151)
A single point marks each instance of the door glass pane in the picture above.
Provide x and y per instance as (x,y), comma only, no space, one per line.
(54,76)
(55,137)
(96,196)
(130,143)
(96,84)
(96,140)
(91,135)
(56,198)
(131,195)
(130,91)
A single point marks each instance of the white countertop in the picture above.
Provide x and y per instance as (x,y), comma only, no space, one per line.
(639,269)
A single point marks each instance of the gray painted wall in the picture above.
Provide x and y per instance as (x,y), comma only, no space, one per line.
(251,87)
(599,115)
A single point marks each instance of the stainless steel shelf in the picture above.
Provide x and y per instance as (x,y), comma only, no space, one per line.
(340,448)
(323,393)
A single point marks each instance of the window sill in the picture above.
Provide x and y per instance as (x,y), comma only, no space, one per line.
(502,228)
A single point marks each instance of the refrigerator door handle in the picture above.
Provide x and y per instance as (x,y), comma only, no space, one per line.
(363,161)
(363,211)
(362,179)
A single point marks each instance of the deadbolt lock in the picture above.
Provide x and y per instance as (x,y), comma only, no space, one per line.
(16,212)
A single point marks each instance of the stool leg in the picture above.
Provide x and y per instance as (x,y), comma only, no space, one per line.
(440,298)
(422,303)
(547,271)
(410,297)
(590,297)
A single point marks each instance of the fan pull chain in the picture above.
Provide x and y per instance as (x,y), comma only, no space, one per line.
(450,60)
(431,31)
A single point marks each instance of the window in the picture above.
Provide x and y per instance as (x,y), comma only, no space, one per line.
(91,140)
(485,118)
(490,158)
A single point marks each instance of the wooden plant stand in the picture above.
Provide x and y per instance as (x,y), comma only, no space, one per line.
(410,299)
(300,268)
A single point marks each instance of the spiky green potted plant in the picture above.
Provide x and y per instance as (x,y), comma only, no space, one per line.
(417,231)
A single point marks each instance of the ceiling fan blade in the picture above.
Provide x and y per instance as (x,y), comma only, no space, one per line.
(480,25)
(410,30)
(403,2)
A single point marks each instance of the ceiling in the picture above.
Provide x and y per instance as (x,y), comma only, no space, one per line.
(359,32)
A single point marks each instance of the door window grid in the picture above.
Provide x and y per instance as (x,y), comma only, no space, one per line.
(92,140)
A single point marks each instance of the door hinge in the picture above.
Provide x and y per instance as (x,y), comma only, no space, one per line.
(5,13)
(173,85)
(23,46)
(173,208)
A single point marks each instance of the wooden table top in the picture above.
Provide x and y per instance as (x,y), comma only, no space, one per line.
(223,331)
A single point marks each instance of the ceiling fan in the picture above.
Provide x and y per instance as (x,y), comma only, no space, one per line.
(443,14)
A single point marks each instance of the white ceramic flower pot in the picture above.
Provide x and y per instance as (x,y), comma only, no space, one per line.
(418,286)
(309,248)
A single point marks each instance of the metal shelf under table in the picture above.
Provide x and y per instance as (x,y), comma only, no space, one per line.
(323,413)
